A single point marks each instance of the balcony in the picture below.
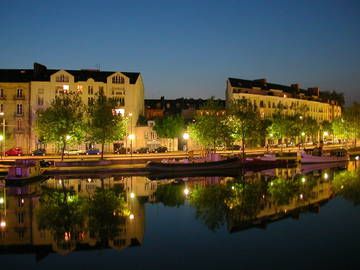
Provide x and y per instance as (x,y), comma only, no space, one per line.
(19,114)
(19,97)
(3,97)
(19,130)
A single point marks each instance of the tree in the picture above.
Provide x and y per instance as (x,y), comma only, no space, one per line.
(208,127)
(278,128)
(169,127)
(341,128)
(103,125)
(352,117)
(310,127)
(243,121)
(62,121)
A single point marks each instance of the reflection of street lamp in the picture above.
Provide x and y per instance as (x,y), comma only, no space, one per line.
(186,136)
(302,138)
(131,138)
(1,139)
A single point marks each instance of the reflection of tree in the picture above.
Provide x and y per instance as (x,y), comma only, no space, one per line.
(107,210)
(171,194)
(347,184)
(246,199)
(62,213)
(210,204)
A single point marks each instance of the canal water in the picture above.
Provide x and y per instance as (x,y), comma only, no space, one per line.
(286,218)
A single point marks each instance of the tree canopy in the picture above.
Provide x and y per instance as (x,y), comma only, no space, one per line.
(62,122)
(103,124)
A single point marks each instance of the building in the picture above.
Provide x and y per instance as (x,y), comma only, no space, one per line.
(270,97)
(24,92)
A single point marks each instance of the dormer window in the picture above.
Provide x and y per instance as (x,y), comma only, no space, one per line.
(118,79)
(62,78)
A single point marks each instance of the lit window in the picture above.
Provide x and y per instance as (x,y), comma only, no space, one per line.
(119,112)
(19,93)
(79,89)
(66,88)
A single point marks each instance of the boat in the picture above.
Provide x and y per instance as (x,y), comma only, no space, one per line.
(214,162)
(194,165)
(332,156)
(24,171)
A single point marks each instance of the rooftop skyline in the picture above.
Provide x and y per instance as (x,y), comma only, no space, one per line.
(189,49)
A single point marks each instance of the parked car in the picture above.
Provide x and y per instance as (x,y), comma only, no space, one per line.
(92,151)
(39,152)
(16,151)
(142,150)
(161,149)
(73,152)
(122,150)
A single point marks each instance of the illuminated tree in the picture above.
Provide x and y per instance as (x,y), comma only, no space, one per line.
(62,122)
(169,127)
(104,126)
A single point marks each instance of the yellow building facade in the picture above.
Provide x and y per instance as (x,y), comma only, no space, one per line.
(269,98)
(40,86)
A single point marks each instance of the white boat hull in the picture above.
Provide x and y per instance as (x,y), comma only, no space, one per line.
(309,159)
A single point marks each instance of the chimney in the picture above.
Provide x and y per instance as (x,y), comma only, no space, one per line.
(38,69)
(295,87)
(314,91)
(261,81)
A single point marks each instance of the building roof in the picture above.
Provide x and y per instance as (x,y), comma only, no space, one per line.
(263,85)
(43,74)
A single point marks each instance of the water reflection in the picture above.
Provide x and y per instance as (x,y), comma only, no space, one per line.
(63,215)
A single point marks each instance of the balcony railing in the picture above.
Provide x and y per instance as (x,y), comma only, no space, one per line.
(18,114)
(19,97)
(19,130)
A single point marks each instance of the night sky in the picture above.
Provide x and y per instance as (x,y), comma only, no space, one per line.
(189,48)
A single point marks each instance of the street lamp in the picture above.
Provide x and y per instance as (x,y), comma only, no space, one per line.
(1,139)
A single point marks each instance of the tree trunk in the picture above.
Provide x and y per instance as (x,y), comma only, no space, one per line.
(102,150)
(243,147)
(62,150)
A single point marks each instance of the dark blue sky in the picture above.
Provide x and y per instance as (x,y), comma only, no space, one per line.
(190,48)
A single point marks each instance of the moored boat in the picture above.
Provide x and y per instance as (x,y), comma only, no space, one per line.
(24,171)
(333,156)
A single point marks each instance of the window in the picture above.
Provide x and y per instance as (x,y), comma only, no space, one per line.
(21,202)
(40,101)
(118,79)
(90,100)
(101,90)
(90,90)
(1,107)
(62,78)
(19,93)
(1,93)
(19,109)
(41,91)
(79,89)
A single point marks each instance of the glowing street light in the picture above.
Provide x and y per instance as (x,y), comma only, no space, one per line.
(326,176)
(303,133)
(2,224)
(326,133)
(186,136)
(68,137)
(131,138)
(186,191)
(131,216)
(132,195)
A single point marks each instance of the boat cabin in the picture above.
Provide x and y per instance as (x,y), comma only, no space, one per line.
(24,168)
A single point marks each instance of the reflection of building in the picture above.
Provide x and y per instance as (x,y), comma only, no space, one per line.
(20,233)
(270,212)
(24,92)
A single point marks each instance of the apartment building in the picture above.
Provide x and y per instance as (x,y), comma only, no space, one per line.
(26,91)
(270,97)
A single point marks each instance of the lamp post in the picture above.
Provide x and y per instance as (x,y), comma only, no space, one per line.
(186,137)
(302,138)
(131,133)
(3,134)
(1,139)
(131,138)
